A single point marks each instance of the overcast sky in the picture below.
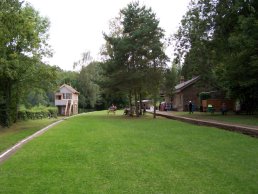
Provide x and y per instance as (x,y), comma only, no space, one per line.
(77,26)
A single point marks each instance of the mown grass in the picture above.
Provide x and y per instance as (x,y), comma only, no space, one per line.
(20,130)
(100,153)
(230,117)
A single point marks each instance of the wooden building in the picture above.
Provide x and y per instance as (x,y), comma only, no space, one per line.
(66,99)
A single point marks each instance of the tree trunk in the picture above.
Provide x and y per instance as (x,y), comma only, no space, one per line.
(155,92)
(136,104)
(5,112)
(140,104)
(130,104)
(154,110)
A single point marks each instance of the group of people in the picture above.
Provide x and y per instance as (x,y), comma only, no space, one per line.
(165,106)
(223,108)
(132,111)
(112,108)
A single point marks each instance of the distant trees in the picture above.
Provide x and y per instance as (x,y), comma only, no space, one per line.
(135,55)
(88,85)
(84,81)
(170,80)
(23,42)
(218,40)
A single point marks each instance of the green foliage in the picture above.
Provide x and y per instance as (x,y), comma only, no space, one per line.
(236,40)
(22,115)
(204,95)
(171,77)
(193,42)
(38,112)
(67,77)
(53,111)
(218,41)
(135,53)
(239,57)
(23,40)
(89,89)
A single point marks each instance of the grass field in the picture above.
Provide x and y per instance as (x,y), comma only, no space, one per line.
(21,130)
(100,153)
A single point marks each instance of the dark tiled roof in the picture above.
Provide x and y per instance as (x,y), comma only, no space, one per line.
(70,88)
(185,84)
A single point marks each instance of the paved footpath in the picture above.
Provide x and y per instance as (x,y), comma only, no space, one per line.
(248,130)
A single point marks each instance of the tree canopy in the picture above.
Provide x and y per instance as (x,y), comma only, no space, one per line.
(218,40)
(136,58)
(23,43)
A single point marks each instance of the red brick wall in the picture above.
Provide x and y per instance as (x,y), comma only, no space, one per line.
(216,103)
(191,93)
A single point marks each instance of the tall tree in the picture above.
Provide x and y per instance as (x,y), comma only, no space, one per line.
(171,78)
(136,55)
(23,42)
(236,37)
(67,77)
(193,41)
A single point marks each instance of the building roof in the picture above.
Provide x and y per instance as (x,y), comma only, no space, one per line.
(70,88)
(183,85)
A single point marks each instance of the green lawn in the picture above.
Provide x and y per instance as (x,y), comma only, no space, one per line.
(21,130)
(251,120)
(100,153)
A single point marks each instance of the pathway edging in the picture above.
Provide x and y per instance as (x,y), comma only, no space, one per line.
(251,131)
(6,154)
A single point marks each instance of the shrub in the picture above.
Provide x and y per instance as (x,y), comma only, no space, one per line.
(38,112)
(22,115)
(53,111)
(204,96)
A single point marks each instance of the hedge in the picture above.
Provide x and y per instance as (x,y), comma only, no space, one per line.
(37,113)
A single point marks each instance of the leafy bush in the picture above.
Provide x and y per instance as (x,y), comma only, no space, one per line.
(204,96)
(53,111)
(38,112)
(22,115)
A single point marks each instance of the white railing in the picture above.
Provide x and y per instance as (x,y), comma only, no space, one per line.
(60,102)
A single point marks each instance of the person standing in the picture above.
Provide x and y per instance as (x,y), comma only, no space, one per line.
(223,108)
(237,107)
(144,108)
(190,107)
